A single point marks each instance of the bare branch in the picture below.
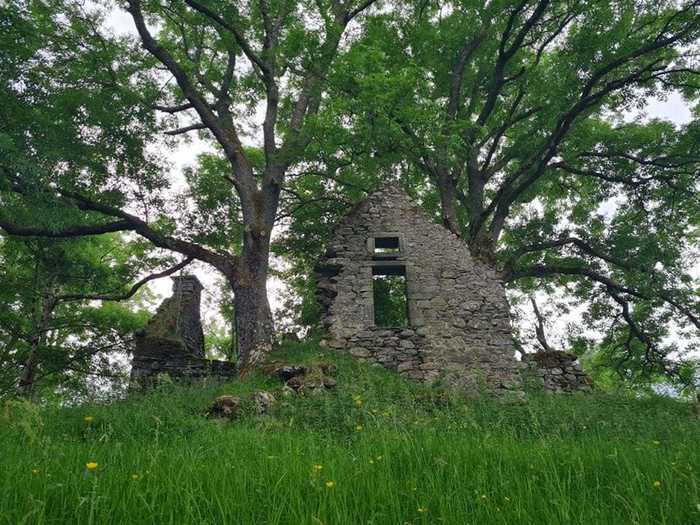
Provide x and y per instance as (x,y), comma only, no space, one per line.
(174,109)
(539,328)
(186,129)
(122,297)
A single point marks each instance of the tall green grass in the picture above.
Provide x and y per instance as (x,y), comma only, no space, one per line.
(378,450)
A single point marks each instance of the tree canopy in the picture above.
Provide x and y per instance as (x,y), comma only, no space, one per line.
(510,121)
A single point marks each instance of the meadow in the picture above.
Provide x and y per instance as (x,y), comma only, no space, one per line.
(376,450)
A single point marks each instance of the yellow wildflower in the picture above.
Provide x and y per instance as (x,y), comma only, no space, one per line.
(657,484)
(89,419)
(318,467)
(91,465)
(422,509)
(359,428)
(483,496)
(330,484)
(35,471)
(135,477)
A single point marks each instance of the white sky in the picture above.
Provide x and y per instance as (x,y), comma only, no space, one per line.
(673,108)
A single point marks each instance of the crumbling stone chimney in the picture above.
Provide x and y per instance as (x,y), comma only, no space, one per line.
(173,341)
(187,295)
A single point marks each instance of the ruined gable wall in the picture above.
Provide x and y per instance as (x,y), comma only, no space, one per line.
(459,317)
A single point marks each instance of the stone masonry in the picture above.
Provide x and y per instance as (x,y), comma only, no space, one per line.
(458,318)
(556,372)
(173,341)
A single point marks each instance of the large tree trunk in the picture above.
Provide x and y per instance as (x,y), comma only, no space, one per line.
(476,234)
(27,377)
(254,326)
(253,316)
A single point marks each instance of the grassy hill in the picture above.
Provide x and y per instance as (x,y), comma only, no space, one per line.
(375,450)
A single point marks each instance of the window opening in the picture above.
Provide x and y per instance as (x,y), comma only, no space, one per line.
(390,296)
(386,246)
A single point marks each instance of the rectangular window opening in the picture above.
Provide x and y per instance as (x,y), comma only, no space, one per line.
(386,246)
(390,296)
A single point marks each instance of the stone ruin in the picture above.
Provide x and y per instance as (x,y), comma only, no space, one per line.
(173,341)
(556,371)
(456,325)
(457,322)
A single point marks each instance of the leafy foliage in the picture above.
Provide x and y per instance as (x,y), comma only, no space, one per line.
(51,337)
(518,124)
(513,123)
(390,308)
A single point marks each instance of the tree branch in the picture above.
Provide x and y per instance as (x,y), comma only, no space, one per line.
(359,9)
(255,60)
(226,137)
(174,109)
(64,232)
(539,327)
(541,271)
(122,297)
(186,129)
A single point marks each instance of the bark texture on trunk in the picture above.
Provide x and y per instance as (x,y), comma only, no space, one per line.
(448,200)
(254,325)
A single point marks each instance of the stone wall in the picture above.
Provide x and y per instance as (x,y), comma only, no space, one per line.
(459,325)
(178,317)
(156,356)
(173,341)
(556,372)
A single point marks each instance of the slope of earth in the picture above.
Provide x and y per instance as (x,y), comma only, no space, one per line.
(373,450)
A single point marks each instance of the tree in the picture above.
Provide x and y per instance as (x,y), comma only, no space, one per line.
(224,61)
(60,318)
(503,119)
(497,115)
